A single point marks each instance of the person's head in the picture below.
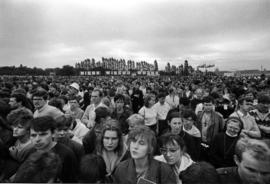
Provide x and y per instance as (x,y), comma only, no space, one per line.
(111,139)
(200,173)
(175,122)
(119,100)
(42,132)
(263,103)
(141,142)
(92,169)
(96,96)
(74,88)
(149,101)
(252,158)
(245,104)
(102,114)
(73,102)
(40,98)
(233,126)
(62,126)
(172,148)
(17,100)
(161,98)
(40,167)
(208,103)
(56,102)
(188,118)
(199,93)
(134,120)
(19,120)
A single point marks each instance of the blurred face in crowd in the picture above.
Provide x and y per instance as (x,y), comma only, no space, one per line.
(176,125)
(61,132)
(233,128)
(119,104)
(42,140)
(199,93)
(187,123)
(252,170)
(19,131)
(13,103)
(263,107)
(138,148)
(152,101)
(246,106)
(110,140)
(72,90)
(73,104)
(172,153)
(95,98)
(38,102)
(208,106)
(161,100)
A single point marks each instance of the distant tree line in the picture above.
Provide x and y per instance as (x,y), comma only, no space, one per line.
(66,70)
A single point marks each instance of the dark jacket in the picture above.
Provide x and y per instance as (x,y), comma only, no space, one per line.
(122,118)
(229,175)
(157,172)
(216,126)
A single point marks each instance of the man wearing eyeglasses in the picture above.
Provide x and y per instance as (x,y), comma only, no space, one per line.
(173,153)
(250,127)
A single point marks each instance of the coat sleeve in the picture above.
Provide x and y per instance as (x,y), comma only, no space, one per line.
(167,174)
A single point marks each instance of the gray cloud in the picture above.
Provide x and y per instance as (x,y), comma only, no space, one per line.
(230,34)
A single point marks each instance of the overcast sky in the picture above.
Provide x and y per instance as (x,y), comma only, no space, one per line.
(232,34)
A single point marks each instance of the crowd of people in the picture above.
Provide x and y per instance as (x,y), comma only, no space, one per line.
(137,130)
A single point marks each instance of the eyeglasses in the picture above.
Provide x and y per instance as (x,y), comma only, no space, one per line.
(166,150)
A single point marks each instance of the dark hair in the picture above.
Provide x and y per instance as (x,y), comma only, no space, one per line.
(101,112)
(161,95)
(108,127)
(243,98)
(264,99)
(119,97)
(173,115)
(200,173)
(147,99)
(208,99)
(170,138)
(43,123)
(20,98)
(40,167)
(188,113)
(41,93)
(63,122)
(56,102)
(92,169)
(184,101)
(21,116)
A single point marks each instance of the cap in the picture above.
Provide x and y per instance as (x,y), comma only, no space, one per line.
(75,85)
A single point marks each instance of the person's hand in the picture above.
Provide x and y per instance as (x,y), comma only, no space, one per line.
(244,134)
(13,150)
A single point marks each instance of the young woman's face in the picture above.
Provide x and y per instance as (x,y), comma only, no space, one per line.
(138,148)
(172,153)
(119,103)
(176,125)
(110,140)
(19,131)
